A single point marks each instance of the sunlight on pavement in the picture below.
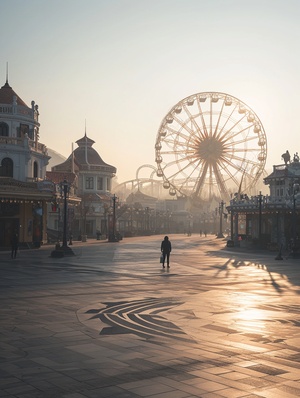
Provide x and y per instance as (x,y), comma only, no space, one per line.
(251,320)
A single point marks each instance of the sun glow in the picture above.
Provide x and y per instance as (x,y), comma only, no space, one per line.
(250,318)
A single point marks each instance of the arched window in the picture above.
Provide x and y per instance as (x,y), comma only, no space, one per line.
(4,130)
(7,168)
(35,170)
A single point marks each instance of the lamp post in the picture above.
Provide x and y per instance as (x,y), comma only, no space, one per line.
(259,217)
(112,236)
(64,187)
(147,221)
(220,234)
(63,250)
(294,229)
(64,190)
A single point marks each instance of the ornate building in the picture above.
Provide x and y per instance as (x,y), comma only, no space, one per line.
(272,220)
(92,185)
(23,161)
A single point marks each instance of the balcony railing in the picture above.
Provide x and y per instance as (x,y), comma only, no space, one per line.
(11,141)
(16,110)
(253,203)
(37,147)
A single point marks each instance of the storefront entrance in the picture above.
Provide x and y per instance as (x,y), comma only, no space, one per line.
(7,227)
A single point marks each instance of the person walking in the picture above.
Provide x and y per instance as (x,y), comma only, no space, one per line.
(166,249)
(14,245)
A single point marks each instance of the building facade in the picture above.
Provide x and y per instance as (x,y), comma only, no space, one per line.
(272,220)
(92,185)
(23,160)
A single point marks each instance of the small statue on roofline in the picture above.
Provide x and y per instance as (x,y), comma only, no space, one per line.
(286,157)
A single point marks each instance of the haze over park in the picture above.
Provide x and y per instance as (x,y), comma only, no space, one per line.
(120,66)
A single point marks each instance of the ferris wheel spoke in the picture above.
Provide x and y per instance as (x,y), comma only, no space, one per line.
(219,135)
(210,116)
(239,153)
(179,171)
(199,129)
(184,154)
(189,177)
(186,132)
(178,161)
(237,166)
(210,181)
(220,181)
(229,161)
(248,149)
(176,148)
(202,118)
(242,141)
(240,156)
(185,127)
(170,143)
(200,183)
(219,119)
(227,132)
(185,137)
(190,118)
(182,163)
(230,174)
(237,133)
(245,174)
(193,122)
(174,133)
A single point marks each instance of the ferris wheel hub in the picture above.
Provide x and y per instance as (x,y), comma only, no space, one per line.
(210,149)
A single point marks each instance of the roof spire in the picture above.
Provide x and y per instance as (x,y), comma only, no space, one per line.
(85,136)
(6,85)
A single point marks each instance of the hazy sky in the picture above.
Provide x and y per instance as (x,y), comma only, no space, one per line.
(122,64)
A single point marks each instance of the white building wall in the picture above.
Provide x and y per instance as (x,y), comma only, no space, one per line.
(22,150)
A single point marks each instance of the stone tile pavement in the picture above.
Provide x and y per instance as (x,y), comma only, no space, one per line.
(109,322)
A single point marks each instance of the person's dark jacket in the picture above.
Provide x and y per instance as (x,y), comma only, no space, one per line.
(166,246)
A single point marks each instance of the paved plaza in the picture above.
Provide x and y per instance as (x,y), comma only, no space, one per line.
(110,322)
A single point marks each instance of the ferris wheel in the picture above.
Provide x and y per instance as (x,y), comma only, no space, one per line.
(210,145)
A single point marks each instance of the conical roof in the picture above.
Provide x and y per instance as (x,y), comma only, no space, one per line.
(86,155)
(83,156)
(7,94)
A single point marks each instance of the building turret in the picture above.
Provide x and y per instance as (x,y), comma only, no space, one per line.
(19,136)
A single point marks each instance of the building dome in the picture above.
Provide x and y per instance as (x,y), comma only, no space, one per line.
(84,157)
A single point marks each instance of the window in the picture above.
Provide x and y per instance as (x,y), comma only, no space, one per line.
(100,184)
(89,227)
(4,130)
(7,167)
(35,170)
(89,183)
(24,129)
(108,184)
